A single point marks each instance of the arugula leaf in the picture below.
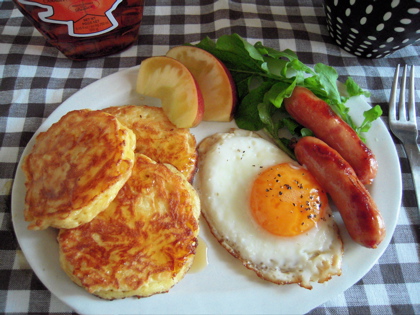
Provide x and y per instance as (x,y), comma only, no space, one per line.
(272,127)
(247,114)
(327,78)
(306,132)
(264,77)
(353,89)
(291,125)
(278,92)
(370,116)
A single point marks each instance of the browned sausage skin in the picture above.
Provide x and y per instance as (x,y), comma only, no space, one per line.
(313,113)
(361,217)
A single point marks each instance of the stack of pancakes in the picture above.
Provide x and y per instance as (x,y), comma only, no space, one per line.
(116,183)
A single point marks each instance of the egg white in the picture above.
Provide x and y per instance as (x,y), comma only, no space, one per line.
(228,165)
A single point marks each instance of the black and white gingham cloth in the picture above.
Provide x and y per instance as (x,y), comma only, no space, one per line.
(35,78)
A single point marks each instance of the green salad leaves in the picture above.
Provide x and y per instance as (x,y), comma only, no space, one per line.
(264,77)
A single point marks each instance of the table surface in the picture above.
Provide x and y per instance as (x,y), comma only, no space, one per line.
(35,79)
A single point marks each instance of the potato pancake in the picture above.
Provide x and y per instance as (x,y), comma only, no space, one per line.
(158,138)
(143,243)
(76,168)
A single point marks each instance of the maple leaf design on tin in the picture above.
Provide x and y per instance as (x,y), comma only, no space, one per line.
(83,17)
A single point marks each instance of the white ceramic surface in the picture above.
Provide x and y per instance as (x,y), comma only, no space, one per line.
(224,286)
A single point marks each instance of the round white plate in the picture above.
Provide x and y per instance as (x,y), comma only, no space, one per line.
(224,286)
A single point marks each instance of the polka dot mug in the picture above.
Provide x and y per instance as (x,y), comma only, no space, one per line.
(373,29)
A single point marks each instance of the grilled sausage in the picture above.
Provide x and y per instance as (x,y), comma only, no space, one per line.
(313,113)
(361,217)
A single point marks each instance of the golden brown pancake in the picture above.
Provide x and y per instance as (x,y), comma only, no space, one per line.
(143,243)
(158,138)
(76,168)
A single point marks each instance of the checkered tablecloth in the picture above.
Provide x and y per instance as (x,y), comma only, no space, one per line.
(35,78)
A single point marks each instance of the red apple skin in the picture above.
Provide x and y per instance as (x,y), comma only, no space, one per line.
(169,80)
(233,89)
(200,105)
(215,81)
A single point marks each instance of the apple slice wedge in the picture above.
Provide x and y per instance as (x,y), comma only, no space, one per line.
(170,81)
(214,79)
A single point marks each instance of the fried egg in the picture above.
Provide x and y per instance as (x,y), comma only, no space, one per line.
(267,210)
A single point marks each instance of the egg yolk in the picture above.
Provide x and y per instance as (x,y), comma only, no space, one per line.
(286,200)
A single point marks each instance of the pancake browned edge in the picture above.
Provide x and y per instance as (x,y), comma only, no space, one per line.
(158,138)
(76,168)
(143,243)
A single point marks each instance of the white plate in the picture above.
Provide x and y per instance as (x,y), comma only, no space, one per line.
(224,286)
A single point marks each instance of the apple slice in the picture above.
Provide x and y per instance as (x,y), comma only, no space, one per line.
(214,79)
(170,81)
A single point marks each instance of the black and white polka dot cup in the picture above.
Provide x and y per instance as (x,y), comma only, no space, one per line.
(373,29)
